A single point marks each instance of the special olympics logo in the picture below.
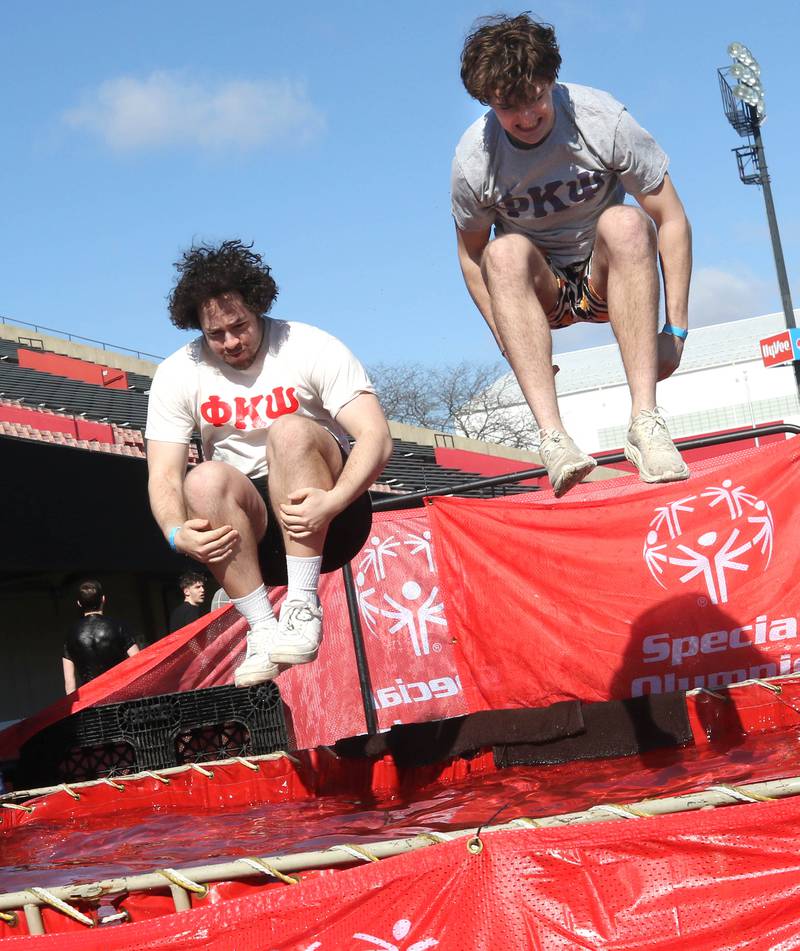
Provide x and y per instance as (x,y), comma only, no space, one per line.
(682,545)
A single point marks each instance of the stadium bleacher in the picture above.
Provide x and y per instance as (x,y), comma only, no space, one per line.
(411,468)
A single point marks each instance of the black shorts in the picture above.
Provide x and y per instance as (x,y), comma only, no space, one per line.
(345,539)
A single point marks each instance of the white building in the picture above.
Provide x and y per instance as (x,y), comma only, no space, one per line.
(721,384)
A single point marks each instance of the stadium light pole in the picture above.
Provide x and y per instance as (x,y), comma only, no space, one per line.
(743,103)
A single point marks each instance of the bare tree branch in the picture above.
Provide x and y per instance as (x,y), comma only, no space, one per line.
(477,400)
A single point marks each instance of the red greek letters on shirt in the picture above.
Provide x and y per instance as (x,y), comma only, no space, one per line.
(278,402)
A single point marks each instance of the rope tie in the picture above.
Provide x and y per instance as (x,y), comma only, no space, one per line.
(247,763)
(11,805)
(69,791)
(773,688)
(203,772)
(736,792)
(176,878)
(525,822)
(48,898)
(624,812)
(435,837)
(112,784)
(356,851)
(261,866)
(9,918)
(711,693)
(152,775)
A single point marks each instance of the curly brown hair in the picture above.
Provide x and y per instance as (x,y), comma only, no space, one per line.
(505,58)
(206,271)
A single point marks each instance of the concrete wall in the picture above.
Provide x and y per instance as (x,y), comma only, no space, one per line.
(699,401)
(73,348)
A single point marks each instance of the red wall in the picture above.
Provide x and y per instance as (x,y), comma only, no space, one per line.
(73,369)
(51,423)
(484,465)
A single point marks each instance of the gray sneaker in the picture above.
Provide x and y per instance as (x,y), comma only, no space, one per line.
(651,449)
(257,666)
(299,634)
(566,464)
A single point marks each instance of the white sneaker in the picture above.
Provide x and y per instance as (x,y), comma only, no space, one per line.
(651,449)
(566,464)
(257,666)
(299,634)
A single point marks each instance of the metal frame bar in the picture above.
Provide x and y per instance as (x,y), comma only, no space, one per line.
(415,499)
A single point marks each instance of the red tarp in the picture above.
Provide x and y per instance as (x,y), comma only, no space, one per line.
(603,595)
(729,878)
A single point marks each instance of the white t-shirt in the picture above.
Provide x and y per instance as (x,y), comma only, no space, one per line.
(299,369)
(555,191)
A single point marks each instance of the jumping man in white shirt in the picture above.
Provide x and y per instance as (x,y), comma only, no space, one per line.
(280,496)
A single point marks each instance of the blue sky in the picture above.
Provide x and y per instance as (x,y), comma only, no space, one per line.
(324,133)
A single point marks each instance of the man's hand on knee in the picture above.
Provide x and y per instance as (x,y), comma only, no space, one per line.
(670,351)
(200,541)
(308,511)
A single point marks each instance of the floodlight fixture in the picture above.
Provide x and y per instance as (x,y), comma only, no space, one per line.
(743,104)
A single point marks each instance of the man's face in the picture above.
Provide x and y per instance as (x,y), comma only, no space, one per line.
(529,122)
(232,332)
(195,593)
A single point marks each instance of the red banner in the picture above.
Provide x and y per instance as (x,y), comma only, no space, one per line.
(604,595)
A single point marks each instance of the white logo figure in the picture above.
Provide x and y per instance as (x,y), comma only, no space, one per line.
(668,514)
(415,619)
(733,497)
(679,537)
(418,543)
(374,557)
(400,930)
(369,611)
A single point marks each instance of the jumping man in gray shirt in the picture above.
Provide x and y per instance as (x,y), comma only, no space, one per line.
(548,168)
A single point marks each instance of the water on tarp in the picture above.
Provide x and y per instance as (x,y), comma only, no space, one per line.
(48,854)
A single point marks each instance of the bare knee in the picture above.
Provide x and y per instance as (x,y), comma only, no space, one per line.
(507,255)
(205,485)
(625,231)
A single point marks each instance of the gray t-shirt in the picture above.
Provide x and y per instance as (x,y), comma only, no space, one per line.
(555,191)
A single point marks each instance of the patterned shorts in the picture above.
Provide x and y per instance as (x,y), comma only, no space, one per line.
(577,299)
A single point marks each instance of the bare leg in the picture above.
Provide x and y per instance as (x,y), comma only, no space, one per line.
(221,494)
(300,454)
(522,288)
(625,272)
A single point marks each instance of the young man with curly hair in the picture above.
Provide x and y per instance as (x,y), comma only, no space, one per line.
(281,496)
(548,168)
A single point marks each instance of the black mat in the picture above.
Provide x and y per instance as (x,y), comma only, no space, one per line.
(614,728)
(421,744)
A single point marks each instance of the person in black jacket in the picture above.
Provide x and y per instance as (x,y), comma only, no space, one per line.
(193,586)
(96,643)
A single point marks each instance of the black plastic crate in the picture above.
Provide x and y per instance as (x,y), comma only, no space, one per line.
(155,732)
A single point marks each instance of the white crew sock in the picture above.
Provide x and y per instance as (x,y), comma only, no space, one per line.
(303,576)
(255,607)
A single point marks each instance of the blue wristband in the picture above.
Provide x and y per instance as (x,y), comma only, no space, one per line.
(171,537)
(678,332)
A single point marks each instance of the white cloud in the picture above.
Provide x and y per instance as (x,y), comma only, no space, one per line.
(169,109)
(718,296)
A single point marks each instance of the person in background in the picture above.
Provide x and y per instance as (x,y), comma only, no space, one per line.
(193,588)
(95,643)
